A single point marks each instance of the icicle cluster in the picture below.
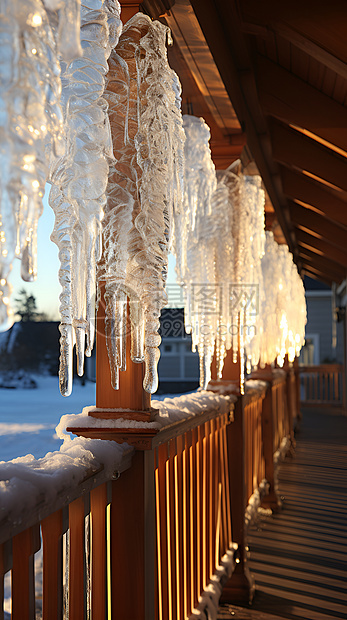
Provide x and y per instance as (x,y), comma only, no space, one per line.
(219,242)
(145,187)
(30,127)
(282,307)
(79,181)
(194,233)
(291,307)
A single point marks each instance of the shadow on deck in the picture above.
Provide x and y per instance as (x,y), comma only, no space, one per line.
(299,556)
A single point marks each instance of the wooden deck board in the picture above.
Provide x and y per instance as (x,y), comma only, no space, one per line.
(298,556)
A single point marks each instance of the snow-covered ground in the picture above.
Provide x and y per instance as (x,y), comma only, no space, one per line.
(28,417)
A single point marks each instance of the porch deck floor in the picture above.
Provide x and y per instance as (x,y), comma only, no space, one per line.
(299,555)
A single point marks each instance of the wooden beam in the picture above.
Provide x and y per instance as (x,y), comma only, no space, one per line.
(322,262)
(292,147)
(287,97)
(300,187)
(303,217)
(221,27)
(304,239)
(322,274)
(320,277)
(317,28)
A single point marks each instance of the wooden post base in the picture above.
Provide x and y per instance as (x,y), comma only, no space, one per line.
(240,587)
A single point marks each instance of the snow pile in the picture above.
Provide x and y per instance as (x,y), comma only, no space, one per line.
(26,482)
(171,410)
(208,604)
(254,502)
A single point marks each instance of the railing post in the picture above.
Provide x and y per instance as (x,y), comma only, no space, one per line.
(240,586)
(271,500)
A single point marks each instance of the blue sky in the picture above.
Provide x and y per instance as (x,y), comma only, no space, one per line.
(46,289)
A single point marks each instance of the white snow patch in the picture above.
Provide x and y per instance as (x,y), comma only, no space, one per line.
(255,384)
(25,481)
(170,410)
(207,608)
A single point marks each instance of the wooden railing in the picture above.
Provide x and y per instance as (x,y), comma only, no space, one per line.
(322,385)
(71,537)
(146,545)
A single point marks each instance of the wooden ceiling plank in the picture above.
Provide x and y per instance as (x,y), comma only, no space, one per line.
(290,146)
(334,234)
(299,187)
(321,277)
(317,28)
(230,54)
(314,243)
(320,262)
(287,97)
(334,277)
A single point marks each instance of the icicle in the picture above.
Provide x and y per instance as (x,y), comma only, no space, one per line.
(30,120)
(80,177)
(144,96)
(120,238)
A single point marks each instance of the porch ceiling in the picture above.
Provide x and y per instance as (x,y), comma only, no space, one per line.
(282,67)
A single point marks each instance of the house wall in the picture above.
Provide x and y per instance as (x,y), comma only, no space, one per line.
(319,329)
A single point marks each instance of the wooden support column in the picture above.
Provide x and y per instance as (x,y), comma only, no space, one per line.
(297,394)
(240,587)
(129,9)
(290,404)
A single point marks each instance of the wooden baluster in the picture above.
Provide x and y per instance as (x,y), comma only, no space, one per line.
(52,545)
(193,520)
(204,530)
(187,516)
(98,507)
(77,560)
(24,546)
(336,377)
(180,557)
(127,543)
(199,491)
(171,530)
(226,484)
(214,490)
(208,500)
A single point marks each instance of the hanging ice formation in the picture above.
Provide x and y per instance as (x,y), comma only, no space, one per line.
(290,307)
(79,181)
(282,305)
(145,186)
(30,134)
(269,321)
(194,233)
(219,242)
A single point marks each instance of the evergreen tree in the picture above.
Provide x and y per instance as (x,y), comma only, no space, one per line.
(26,307)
